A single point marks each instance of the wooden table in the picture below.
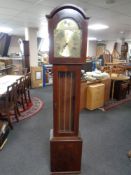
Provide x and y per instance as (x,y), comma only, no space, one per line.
(117,77)
(113,63)
(6,81)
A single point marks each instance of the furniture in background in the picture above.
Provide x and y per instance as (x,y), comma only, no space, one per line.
(26,55)
(115,54)
(6,81)
(8,102)
(95,96)
(6,65)
(8,95)
(120,89)
(84,87)
(17,65)
(14,90)
(47,74)
(107,83)
(107,57)
(87,67)
(21,92)
(124,50)
(36,77)
(27,86)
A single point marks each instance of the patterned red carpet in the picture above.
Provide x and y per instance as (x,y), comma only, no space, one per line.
(33,108)
(113,104)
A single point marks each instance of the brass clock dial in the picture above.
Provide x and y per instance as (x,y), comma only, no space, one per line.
(67,39)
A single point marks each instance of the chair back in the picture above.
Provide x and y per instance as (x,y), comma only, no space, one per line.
(24,71)
(28,80)
(107,57)
(21,86)
(11,95)
(118,69)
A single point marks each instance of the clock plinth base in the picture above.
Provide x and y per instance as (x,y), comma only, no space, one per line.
(65,155)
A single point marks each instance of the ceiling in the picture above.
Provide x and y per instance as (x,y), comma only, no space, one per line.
(19,14)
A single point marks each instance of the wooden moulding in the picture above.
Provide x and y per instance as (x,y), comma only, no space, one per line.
(66,153)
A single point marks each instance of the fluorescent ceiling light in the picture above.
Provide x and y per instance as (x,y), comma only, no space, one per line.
(98,27)
(5,29)
(91,38)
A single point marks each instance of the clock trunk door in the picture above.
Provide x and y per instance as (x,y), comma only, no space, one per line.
(66,100)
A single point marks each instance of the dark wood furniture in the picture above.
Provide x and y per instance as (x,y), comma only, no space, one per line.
(8,102)
(120,90)
(68,43)
(26,55)
(27,86)
(8,66)
(21,92)
(121,79)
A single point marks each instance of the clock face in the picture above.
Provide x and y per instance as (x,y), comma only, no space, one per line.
(67,39)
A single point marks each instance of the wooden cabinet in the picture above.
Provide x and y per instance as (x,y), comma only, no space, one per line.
(95,96)
(120,89)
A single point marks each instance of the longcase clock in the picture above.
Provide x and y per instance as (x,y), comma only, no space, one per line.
(68,42)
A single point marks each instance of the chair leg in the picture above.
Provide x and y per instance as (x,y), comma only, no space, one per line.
(22,101)
(9,120)
(16,116)
(29,96)
(25,96)
(18,112)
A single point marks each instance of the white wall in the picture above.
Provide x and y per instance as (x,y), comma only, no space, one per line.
(14,46)
(91,48)
(32,35)
(110,45)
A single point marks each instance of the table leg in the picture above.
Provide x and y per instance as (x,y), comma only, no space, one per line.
(113,84)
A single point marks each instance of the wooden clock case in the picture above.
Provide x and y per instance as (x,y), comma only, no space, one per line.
(65,140)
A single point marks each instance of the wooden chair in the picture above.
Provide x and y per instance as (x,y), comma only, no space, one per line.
(27,87)
(106,69)
(21,92)
(8,102)
(107,57)
(118,69)
(24,71)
